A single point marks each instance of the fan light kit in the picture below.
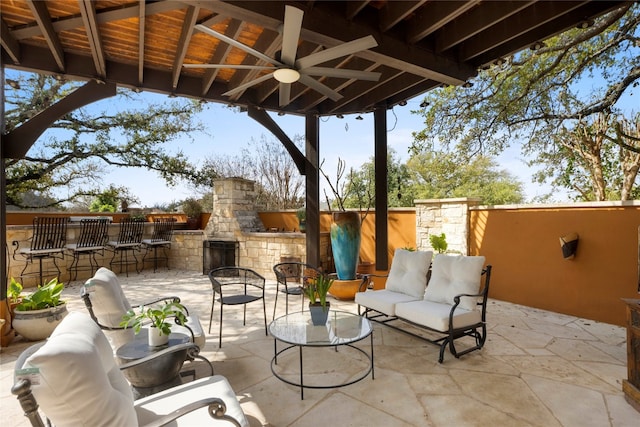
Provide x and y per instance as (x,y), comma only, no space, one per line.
(286,75)
(289,69)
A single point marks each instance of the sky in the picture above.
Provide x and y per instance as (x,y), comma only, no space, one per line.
(349,139)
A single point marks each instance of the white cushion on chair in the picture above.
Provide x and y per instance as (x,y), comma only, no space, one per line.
(153,407)
(383,300)
(80,384)
(109,305)
(454,275)
(408,273)
(436,315)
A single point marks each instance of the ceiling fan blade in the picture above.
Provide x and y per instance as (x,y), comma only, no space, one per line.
(230,66)
(344,49)
(319,87)
(291,34)
(237,44)
(342,73)
(248,85)
(284,92)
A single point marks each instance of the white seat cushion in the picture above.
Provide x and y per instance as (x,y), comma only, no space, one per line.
(453,275)
(80,384)
(153,407)
(436,315)
(110,304)
(408,273)
(383,300)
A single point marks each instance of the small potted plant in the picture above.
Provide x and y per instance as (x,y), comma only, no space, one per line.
(316,290)
(157,317)
(37,314)
(302,219)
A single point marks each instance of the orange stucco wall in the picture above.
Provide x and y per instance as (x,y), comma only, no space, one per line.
(523,247)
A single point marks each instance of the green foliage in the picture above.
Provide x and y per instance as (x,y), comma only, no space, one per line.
(317,288)
(301,214)
(530,98)
(440,175)
(439,243)
(157,316)
(46,296)
(76,150)
(192,207)
(14,290)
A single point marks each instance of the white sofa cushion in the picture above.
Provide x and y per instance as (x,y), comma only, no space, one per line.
(153,407)
(408,273)
(454,275)
(436,315)
(382,300)
(80,384)
(110,304)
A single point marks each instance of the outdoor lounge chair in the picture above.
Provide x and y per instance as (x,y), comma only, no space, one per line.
(107,303)
(78,383)
(452,306)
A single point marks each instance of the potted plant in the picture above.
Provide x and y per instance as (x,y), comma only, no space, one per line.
(193,210)
(438,243)
(302,219)
(157,317)
(316,290)
(37,314)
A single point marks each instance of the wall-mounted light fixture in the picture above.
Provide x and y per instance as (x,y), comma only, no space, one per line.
(569,245)
(359,117)
(402,103)
(584,24)
(281,113)
(537,46)
(339,116)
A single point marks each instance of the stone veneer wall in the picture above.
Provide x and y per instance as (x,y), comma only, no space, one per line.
(186,250)
(448,216)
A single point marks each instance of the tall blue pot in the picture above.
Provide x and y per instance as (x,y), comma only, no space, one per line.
(345,243)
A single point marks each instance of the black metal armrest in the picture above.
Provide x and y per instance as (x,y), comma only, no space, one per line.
(217,410)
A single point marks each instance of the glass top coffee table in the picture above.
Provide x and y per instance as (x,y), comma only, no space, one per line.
(341,329)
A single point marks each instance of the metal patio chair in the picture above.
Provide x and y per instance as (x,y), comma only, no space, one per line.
(48,241)
(93,237)
(291,277)
(128,242)
(160,239)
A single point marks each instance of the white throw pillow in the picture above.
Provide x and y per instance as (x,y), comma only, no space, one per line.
(408,274)
(109,304)
(453,275)
(80,384)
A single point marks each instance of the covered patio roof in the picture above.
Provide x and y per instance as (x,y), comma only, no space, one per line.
(346,57)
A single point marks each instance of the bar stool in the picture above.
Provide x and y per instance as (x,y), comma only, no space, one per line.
(94,234)
(129,241)
(160,239)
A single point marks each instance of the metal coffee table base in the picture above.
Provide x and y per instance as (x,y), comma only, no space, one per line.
(301,384)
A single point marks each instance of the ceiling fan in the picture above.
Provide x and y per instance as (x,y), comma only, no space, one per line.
(288,69)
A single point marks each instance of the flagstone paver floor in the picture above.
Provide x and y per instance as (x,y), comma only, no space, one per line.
(537,368)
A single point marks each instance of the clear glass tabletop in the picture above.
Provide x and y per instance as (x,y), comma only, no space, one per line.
(341,328)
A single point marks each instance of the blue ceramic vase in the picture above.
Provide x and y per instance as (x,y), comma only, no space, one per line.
(345,243)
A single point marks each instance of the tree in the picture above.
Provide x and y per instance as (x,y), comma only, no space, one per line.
(538,95)
(439,175)
(279,185)
(359,188)
(111,199)
(67,162)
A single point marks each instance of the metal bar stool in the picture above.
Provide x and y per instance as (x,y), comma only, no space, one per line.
(94,234)
(129,241)
(160,239)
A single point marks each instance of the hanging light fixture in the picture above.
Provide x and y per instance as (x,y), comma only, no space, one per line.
(286,75)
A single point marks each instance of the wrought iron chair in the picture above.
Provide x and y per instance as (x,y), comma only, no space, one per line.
(129,241)
(236,286)
(48,241)
(160,239)
(291,277)
(81,384)
(94,234)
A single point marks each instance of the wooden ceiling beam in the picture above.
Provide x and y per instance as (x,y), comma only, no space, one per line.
(395,11)
(475,21)
(354,7)
(183,43)
(433,16)
(42,17)
(220,55)
(142,20)
(90,22)
(9,43)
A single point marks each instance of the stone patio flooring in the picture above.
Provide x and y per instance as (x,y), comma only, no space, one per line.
(537,368)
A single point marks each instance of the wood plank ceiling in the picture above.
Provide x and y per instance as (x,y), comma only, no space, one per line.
(145,45)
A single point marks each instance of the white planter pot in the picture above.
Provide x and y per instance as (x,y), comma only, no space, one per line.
(156,339)
(36,325)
